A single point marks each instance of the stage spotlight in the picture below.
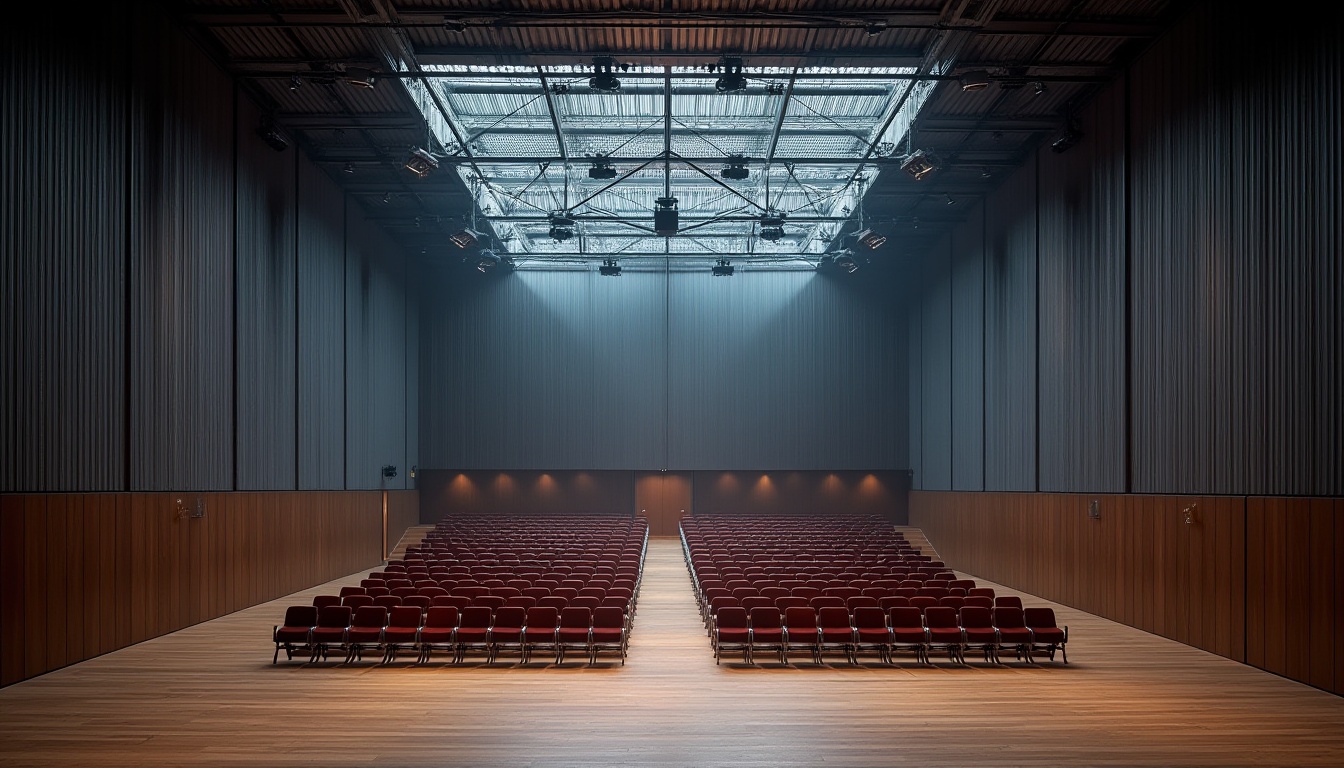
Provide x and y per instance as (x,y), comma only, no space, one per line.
(919,164)
(453,25)
(602,170)
(272,136)
(295,82)
(772,226)
(603,79)
(421,162)
(665,217)
(349,168)
(870,239)
(465,238)
(732,78)
(736,168)
(359,77)
(845,261)
(1038,87)
(562,227)
(975,80)
(1066,138)
(722,269)
(610,268)
(487,260)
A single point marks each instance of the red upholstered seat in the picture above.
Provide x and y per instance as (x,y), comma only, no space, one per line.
(1046,634)
(366,631)
(871,632)
(977,627)
(837,631)
(506,633)
(767,631)
(731,631)
(575,631)
(473,630)
(332,623)
(944,630)
(801,632)
(402,631)
(440,630)
(1013,631)
(295,633)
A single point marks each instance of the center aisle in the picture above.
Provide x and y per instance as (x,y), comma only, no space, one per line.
(667,630)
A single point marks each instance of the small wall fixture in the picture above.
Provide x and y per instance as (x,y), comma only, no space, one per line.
(1094,509)
(1191,514)
(390,471)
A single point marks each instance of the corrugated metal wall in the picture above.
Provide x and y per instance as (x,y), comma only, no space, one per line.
(1175,289)
(566,370)
(267,277)
(376,344)
(1082,306)
(968,353)
(1235,198)
(914,361)
(62,284)
(936,364)
(321,342)
(181,267)
(174,309)
(1010,334)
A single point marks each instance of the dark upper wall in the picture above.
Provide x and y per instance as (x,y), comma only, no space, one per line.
(183,307)
(1161,302)
(681,371)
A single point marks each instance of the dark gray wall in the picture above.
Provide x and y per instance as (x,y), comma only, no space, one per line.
(683,371)
(175,302)
(1161,310)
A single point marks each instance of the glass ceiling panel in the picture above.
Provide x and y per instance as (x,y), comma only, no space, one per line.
(665,130)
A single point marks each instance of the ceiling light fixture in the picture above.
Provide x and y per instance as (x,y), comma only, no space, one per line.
(603,79)
(487,260)
(732,78)
(665,217)
(845,261)
(562,226)
(610,268)
(975,80)
(421,162)
(1038,87)
(359,77)
(772,226)
(920,163)
(1066,138)
(349,168)
(295,82)
(465,238)
(723,268)
(736,168)
(453,25)
(602,170)
(870,239)
(271,135)
(875,28)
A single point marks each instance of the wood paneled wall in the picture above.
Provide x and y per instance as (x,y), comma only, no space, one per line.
(403,511)
(1258,580)
(85,574)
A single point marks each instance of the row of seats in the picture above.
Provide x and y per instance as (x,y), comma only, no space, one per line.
(477,583)
(1024,631)
(321,631)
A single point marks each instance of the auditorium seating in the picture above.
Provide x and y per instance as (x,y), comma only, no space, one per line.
(484,584)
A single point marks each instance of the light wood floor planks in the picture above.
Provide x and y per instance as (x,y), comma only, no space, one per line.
(208,695)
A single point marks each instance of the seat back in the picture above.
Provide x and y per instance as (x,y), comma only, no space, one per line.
(1037,618)
(370,616)
(799,619)
(334,616)
(347,591)
(511,616)
(838,618)
(975,617)
(940,617)
(321,601)
(540,618)
(409,617)
(923,602)
(419,601)
(732,616)
(906,617)
(607,617)
(572,618)
(301,616)
(766,617)
(1008,617)
(865,618)
(979,601)
(1008,601)
(952,601)
(476,616)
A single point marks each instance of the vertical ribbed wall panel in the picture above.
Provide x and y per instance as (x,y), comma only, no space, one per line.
(181,267)
(968,353)
(787,370)
(936,367)
(1082,306)
(411,297)
(1010,334)
(63,235)
(266,275)
(321,331)
(375,380)
(915,382)
(569,370)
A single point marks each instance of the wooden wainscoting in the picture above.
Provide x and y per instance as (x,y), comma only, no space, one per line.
(85,574)
(1258,580)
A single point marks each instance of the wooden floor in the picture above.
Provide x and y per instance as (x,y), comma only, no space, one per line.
(208,695)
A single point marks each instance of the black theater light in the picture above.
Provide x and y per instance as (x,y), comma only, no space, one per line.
(1066,138)
(562,226)
(602,170)
(919,164)
(736,168)
(603,79)
(421,162)
(272,136)
(465,238)
(665,217)
(722,268)
(975,80)
(845,261)
(732,78)
(359,77)
(772,226)
(610,268)
(487,260)
(870,239)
